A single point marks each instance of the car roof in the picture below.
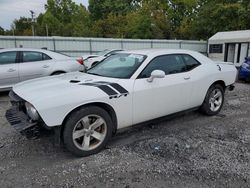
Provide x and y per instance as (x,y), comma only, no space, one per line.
(159,51)
(52,54)
(23,49)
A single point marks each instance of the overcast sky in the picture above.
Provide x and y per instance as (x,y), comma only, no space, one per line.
(12,9)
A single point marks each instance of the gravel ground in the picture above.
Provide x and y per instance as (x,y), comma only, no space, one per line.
(190,150)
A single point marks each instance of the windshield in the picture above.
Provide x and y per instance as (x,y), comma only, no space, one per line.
(121,65)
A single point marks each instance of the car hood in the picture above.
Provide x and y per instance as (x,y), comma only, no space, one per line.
(65,87)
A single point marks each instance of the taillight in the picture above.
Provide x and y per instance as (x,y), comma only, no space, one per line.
(80,60)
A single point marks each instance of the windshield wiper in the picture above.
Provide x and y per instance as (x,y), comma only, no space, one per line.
(94,74)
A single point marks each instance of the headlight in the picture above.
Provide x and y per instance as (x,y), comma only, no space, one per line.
(245,66)
(31,111)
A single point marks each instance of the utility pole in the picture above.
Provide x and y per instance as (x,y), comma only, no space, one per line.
(32,22)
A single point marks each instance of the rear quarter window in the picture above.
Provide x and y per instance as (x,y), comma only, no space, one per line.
(32,56)
(190,62)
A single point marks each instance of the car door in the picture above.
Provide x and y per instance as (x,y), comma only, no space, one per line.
(198,75)
(8,69)
(34,64)
(165,95)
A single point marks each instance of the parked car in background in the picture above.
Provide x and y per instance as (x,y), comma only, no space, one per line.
(124,89)
(20,64)
(91,60)
(244,71)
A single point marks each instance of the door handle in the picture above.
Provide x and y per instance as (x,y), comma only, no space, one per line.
(45,66)
(187,78)
(11,70)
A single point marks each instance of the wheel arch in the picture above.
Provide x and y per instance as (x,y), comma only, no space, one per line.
(102,105)
(219,82)
(203,107)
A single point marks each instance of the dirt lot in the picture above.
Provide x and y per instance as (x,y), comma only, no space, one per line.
(191,150)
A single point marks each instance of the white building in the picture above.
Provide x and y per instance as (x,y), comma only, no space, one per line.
(230,46)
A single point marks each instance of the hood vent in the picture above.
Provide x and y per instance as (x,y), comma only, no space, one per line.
(74,81)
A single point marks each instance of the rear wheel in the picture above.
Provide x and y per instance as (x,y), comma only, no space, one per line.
(87,131)
(213,101)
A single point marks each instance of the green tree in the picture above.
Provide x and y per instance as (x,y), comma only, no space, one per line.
(111,27)
(100,9)
(1,31)
(153,19)
(22,26)
(51,23)
(64,18)
(149,21)
(214,17)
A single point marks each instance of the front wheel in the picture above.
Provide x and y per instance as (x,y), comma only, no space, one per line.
(213,101)
(87,131)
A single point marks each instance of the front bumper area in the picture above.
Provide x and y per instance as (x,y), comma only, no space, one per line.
(20,121)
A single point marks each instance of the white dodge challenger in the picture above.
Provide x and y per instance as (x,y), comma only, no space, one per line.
(128,88)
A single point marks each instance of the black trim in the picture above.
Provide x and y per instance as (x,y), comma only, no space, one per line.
(21,56)
(18,56)
(226,52)
(119,88)
(238,53)
(107,90)
(74,81)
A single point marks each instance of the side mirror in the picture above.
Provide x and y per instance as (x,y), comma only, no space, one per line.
(156,74)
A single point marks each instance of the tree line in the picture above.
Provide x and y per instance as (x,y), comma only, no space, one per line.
(143,19)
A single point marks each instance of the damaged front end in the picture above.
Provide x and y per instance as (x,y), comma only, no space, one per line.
(22,118)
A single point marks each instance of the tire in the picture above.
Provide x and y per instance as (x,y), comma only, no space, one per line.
(57,73)
(92,125)
(213,101)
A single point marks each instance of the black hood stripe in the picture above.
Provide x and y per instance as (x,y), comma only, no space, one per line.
(109,88)
(119,88)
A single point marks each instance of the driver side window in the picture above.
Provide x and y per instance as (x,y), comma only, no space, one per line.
(170,64)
